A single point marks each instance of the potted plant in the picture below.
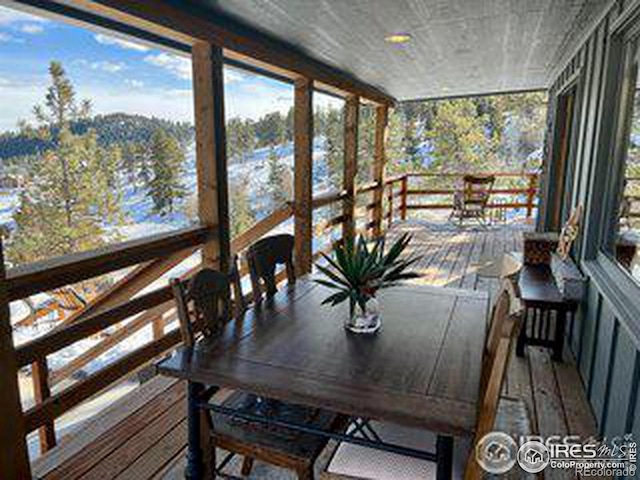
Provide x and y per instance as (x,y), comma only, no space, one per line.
(358,271)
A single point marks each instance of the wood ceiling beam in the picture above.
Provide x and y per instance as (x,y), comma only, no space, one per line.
(190,24)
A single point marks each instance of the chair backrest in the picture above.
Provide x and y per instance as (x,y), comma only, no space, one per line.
(506,321)
(202,304)
(507,303)
(477,188)
(263,257)
(488,407)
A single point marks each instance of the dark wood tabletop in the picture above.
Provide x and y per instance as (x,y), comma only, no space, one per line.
(422,368)
(538,288)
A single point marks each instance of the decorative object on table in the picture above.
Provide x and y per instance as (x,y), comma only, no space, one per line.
(358,271)
(538,247)
(567,275)
(569,233)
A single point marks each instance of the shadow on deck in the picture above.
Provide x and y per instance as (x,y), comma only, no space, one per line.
(143,436)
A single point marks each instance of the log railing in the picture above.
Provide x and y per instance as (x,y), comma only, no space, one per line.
(438,189)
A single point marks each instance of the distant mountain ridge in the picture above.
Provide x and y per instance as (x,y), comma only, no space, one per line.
(112,129)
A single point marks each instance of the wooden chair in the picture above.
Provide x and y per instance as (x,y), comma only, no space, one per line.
(203,306)
(501,325)
(263,257)
(472,201)
(505,319)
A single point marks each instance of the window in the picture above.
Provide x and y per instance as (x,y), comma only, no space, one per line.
(259,146)
(107,161)
(328,166)
(623,239)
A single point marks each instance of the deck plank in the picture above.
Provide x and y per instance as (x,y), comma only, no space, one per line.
(71,446)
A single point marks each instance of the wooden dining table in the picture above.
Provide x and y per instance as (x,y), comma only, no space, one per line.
(421,369)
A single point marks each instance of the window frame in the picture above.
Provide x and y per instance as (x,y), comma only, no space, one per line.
(625,54)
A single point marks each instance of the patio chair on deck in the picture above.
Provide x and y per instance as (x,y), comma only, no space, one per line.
(354,462)
(471,202)
(207,294)
(263,258)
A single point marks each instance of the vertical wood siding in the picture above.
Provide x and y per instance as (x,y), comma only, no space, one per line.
(608,355)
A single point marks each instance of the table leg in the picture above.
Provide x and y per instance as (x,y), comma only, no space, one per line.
(444,457)
(194,470)
(522,336)
(561,317)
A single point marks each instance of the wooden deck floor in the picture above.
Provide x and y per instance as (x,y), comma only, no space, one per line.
(144,435)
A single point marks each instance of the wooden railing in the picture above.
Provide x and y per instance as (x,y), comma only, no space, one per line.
(441,187)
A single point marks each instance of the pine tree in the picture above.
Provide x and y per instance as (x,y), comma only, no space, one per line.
(334,138)
(366,143)
(167,167)
(71,193)
(459,138)
(279,182)
(241,214)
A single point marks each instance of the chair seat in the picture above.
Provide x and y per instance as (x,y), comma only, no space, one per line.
(257,439)
(355,462)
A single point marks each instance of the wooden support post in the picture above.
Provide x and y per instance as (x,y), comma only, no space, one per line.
(379,163)
(14,460)
(303,180)
(405,189)
(351,114)
(41,392)
(211,157)
(531,194)
(390,204)
(157,327)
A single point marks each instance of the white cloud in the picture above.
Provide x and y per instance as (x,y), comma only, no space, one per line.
(119,42)
(134,83)
(32,28)
(233,76)
(178,66)
(252,99)
(5,37)
(173,104)
(9,16)
(109,67)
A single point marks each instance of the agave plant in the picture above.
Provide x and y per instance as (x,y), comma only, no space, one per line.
(360,269)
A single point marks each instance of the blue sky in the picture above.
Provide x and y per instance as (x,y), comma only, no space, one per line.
(116,74)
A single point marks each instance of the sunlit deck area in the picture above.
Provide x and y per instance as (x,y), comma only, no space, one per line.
(144,435)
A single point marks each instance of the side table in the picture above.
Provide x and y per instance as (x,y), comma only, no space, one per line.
(545,310)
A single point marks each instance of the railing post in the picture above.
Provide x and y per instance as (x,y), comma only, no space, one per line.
(379,162)
(531,194)
(390,203)
(403,205)
(41,392)
(351,113)
(211,156)
(14,460)
(303,181)
(157,327)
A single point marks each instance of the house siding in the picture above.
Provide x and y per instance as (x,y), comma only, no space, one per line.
(603,336)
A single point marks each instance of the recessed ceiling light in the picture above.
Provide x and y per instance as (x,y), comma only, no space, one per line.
(398,38)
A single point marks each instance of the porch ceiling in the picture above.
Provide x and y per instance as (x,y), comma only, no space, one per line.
(458,47)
